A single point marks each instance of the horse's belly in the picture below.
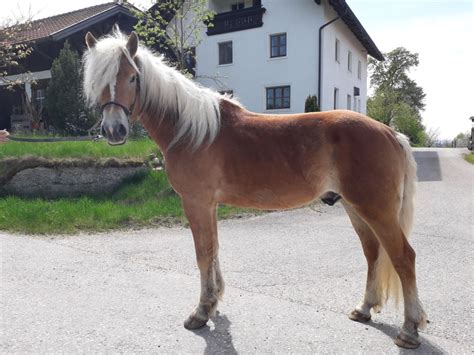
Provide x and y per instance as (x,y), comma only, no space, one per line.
(268,198)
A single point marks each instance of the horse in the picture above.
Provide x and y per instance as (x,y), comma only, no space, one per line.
(218,152)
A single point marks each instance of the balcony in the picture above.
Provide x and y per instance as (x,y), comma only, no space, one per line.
(237,20)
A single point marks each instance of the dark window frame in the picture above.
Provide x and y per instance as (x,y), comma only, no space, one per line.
(349,61)
(279,45)
(275,98)
(227,92)
(223,60)
(237,6)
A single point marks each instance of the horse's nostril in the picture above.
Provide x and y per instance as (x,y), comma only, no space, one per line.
(122,130)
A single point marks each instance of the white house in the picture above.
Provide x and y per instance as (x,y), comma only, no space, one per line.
(272,54)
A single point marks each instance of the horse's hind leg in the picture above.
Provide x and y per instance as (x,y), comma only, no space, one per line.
(373,297)
(402,257)
(203,223)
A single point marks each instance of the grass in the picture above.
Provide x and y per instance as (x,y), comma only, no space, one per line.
(146,202)
(469,158)
(100,149)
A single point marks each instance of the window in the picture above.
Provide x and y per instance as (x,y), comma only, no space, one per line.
(336,53)
(225,52)
(358,105)
(278,97)
(349,102)
(227,92)
(336,98)
(237,6)
(359,69)
(349,61)
(278,45)
(39,96)
(355,104)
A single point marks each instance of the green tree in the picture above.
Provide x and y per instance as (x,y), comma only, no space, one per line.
(381,106)
(65,103)
(463,135)
(174,27)
(407,121)
(391,75)
(311,104)
(397,100)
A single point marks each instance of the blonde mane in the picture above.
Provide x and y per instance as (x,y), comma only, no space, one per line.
(165,93)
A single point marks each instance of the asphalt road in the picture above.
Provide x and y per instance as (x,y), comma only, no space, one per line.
(292,278)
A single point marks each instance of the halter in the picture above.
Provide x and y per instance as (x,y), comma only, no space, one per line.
(128,110)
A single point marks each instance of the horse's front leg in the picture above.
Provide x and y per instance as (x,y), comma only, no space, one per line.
(203,222)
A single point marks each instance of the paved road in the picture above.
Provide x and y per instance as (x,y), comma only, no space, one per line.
(291,277)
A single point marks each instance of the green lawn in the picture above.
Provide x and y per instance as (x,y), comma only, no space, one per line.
(146,202)
(100,149)
(469,158)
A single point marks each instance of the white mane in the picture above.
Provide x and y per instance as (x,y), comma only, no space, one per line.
(164,92)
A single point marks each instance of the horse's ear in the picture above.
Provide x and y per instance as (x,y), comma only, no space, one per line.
(90,40)
(132,44)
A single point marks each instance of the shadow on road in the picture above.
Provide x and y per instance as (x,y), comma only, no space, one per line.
(218,340)
(428,166)
(426,347)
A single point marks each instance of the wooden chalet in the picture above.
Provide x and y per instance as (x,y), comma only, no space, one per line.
(46,37)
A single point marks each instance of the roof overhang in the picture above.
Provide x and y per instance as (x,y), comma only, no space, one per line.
(23,78)
(350,19)
(68,31)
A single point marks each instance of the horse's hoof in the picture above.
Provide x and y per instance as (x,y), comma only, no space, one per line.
(194,323)
(406,341)
(357,316)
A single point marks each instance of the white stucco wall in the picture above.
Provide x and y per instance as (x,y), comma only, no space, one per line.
(225,5)
(253,70)
(336,74)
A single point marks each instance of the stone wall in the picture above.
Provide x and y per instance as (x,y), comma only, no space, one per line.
(38,177)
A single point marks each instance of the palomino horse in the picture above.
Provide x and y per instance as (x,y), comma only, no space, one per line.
(217,152)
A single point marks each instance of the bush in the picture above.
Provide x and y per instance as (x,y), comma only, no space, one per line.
(311,104)
(65,103)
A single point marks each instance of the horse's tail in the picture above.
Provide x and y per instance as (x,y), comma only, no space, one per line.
(388,281)
(409,187)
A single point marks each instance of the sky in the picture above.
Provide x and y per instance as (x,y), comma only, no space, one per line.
(440,31)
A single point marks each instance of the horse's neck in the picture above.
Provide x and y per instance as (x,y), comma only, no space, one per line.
(162,131)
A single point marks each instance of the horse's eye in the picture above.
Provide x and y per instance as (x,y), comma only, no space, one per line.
(132,79)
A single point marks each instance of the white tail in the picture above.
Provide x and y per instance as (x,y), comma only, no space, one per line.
(388,282)
(409,187)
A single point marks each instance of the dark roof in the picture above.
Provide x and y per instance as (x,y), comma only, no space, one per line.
(346,14)
(59,26)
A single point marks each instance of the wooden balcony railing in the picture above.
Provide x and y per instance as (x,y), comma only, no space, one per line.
(237,20)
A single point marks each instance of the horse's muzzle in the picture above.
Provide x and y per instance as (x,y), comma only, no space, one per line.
(115,132)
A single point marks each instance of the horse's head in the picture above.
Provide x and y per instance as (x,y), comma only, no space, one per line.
(111,80)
